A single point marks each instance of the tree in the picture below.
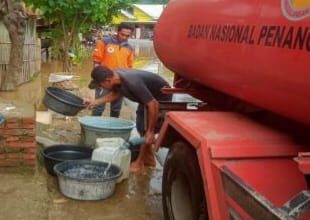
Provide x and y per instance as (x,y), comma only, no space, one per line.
(69,17)
(14,18)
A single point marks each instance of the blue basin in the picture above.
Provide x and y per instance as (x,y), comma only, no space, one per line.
(2,119)
(94,127)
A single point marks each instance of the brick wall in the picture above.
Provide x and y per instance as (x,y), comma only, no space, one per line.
(17,141)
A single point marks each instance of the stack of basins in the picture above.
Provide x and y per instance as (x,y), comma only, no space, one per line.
(78,176)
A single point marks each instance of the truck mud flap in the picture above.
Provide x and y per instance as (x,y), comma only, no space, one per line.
(257,206)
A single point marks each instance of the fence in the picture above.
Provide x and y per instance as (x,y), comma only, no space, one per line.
(31,57)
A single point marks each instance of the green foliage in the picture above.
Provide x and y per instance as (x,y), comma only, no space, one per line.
(88,10)
(71,17)
(80,54)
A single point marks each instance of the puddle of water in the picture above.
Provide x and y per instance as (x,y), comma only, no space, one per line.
(146,59)
(156,181)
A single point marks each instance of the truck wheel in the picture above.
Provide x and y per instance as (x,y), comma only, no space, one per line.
(183,194)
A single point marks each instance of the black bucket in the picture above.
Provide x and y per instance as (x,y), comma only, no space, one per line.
(62,101)
(59,153)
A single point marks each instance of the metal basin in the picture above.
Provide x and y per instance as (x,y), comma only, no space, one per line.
(85,180)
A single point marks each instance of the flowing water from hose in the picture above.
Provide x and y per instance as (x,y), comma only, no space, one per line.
(105,173)
(126,145)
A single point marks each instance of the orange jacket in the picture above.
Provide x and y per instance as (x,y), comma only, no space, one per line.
(111,53)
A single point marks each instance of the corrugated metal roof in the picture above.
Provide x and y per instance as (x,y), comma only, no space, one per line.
(128,15)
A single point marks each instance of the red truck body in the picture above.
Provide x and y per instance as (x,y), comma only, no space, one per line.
(259,53)
(248,49)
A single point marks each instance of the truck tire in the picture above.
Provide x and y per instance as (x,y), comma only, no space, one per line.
(182,188)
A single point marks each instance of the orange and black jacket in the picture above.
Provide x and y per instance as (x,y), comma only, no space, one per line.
(111,53)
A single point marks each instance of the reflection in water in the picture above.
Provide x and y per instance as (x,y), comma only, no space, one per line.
(146,59)
(143,49)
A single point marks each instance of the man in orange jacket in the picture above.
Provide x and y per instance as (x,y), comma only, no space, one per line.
(113,52)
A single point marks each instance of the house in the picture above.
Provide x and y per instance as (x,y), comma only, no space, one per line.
(142,16)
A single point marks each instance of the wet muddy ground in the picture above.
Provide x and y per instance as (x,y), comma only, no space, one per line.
(35,195)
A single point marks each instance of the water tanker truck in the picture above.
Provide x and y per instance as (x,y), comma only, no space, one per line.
(245,153)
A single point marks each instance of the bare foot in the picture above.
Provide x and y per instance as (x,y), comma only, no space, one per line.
(136,166)
(149,158)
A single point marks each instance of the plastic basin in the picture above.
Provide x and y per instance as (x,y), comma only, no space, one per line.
(94,127)
(59,153)
(85,180)
(62,101)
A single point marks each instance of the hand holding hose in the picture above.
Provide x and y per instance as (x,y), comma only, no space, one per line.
(149,137)
(89,102)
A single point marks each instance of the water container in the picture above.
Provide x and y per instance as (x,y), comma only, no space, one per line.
(111,142)
(93,127)
(109,150)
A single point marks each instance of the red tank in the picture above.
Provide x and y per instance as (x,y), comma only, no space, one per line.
(258,51)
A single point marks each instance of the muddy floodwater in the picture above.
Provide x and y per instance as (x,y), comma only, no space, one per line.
(35,196)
